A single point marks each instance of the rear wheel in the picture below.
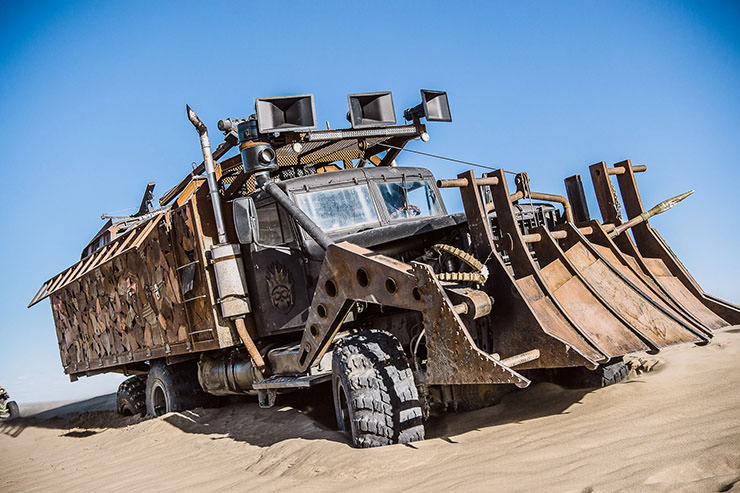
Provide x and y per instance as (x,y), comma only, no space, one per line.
(172,388)
(375,398)
(131,396)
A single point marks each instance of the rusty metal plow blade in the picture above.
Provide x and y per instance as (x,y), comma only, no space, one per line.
(579,294)
(650,256)
(526,314)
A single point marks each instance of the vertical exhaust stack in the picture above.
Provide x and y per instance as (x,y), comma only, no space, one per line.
(231,282)
(205,145)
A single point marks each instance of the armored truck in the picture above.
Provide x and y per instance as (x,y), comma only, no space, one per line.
(311,257)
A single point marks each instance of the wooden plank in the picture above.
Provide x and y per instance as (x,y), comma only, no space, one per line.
(189,190)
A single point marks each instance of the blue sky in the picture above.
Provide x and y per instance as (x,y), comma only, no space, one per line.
(92,107)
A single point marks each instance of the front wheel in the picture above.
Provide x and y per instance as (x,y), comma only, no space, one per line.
(375,398)
(13,411)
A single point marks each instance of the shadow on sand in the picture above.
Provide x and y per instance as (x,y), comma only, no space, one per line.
(305,415)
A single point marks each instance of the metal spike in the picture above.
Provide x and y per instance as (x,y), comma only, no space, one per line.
(658,209)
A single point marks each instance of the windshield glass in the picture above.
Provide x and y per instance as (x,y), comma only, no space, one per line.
(409,198)
(339,208)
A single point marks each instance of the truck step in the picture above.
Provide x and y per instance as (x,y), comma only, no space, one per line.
(283,382)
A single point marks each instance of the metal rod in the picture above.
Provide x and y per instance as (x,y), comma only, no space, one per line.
(461,309)
(301,218)
(205,145)
(200,331)
(562,234)
(620,170)
(463,182)
(532,238)
(567,210)
(220,151)
(520,359)
(194,298)
(188,264)
(516,196)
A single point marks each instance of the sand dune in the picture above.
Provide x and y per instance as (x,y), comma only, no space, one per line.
(675,428)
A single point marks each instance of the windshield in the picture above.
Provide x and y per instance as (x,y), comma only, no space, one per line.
(339,208)
(409,198)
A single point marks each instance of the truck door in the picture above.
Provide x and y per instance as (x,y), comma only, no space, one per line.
(277,279)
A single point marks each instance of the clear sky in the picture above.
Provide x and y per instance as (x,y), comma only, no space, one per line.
(92,107)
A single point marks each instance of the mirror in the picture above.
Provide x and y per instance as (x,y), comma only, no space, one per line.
(245,220)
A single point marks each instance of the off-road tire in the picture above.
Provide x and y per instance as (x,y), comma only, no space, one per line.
(375,398)
(13,411)
(603,376)
(131,396)
(472,397)
(580,377)
(172,388)
(613,373)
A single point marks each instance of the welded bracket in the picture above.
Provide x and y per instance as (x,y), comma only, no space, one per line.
(351,273)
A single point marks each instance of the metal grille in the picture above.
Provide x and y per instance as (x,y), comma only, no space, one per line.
(324,152)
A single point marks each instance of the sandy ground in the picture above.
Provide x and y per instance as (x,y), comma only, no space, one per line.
(675,428)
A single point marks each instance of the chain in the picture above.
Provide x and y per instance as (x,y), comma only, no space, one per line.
(481,271)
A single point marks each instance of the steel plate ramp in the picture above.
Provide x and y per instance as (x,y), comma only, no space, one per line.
(617,315)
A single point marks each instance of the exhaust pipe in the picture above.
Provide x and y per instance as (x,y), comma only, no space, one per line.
(231,281)
(205,145)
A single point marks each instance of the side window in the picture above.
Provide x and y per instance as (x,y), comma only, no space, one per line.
(274,225)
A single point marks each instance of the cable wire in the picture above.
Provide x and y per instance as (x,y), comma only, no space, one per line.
(470,163)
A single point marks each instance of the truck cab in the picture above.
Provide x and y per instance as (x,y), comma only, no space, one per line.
(392,210)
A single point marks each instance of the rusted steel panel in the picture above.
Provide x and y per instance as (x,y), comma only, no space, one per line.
(657,325)
(633,267)
(577,291)
(130,308)
(351,273)
(523,318)
(586,305)
(577,198)
(453,357)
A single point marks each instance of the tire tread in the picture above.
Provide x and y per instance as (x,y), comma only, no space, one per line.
(131,396)
(385,407)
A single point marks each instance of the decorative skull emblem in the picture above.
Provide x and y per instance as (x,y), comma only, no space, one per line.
(280,287)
